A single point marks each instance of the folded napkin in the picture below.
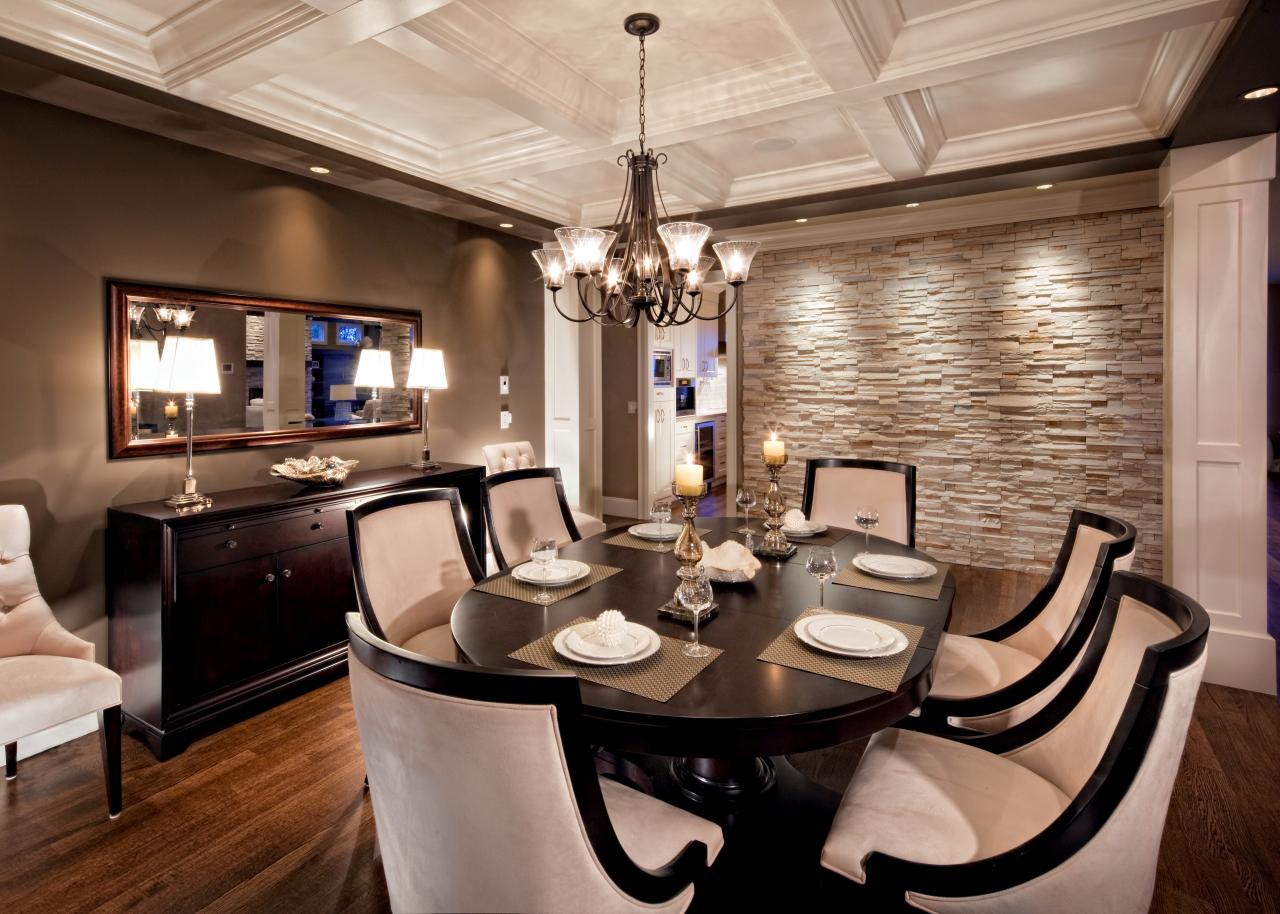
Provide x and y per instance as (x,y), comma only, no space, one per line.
(730,563)
(795,520)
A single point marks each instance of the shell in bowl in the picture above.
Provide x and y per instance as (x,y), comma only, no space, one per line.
(730,563)
(314,471)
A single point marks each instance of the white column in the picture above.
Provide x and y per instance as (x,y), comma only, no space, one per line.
(1215,202)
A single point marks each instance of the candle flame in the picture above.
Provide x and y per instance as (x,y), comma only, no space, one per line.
(773,436)
(688,459)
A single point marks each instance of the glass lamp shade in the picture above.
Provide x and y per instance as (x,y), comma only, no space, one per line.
(693,282)
(552,263)
(648,259)
(585,248)
(340,392)
(735,258)
(374,369)
(188,365)
(426,370)
(144,364)
(613,275)
(684,241)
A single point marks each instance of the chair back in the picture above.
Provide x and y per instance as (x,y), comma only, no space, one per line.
(524,505)
(485,795)
(412,558)
(24,615)
(835,487)
(512,455)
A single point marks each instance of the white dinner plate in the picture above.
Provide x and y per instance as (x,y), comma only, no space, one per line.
(837,627)
(812,530)
(898,567)
(583,642)
(561,648)
(557,574)
(658,533)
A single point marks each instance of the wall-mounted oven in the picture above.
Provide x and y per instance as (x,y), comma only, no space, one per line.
(664,368)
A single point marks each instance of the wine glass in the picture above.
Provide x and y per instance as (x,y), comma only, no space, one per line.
(660,513)
(695,595)
(867,519)
(822,565)
(746,500)
(544,553)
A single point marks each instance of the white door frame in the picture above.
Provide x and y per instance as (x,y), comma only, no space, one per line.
(571,405)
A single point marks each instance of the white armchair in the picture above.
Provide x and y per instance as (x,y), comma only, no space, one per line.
(47,675)
(519,455)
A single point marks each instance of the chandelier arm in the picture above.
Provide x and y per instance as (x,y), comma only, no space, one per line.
(582,300)
(555,301)
(737,297)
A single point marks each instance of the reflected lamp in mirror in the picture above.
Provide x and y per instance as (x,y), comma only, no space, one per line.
(341,396)
(144,371)
(189,365)
(374,371)
(426,373)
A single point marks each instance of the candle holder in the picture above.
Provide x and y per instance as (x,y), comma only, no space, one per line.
(688,552)
(775,544)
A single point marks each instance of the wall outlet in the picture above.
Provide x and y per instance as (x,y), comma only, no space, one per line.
(504,385)
(504,419)
(631,407)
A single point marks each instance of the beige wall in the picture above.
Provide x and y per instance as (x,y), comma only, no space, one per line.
(82,200)
(620,431)
(1018,366)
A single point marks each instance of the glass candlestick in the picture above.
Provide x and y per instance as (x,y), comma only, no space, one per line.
(688,552)
(775,545)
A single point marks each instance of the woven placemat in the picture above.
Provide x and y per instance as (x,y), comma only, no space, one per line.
(878,672)
(928,588)
(634,542)
(507,586)
(658,677)
(828,537)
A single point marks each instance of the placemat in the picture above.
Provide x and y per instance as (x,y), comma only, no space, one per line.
(928,588)
(507,586)
(634,542)
(658,677)
(878,672)
(828,537)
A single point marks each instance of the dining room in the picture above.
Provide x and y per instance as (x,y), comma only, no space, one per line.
(788,454)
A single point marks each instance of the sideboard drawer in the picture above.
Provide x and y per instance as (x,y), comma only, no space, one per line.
(237,542)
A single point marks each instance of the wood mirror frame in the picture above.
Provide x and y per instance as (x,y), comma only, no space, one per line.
(121,295)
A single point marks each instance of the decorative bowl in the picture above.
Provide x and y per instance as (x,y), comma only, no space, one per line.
(317,472)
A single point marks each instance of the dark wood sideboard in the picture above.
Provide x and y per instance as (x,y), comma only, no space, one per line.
(214,615)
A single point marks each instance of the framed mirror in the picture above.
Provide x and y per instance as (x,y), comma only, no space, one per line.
(286,371)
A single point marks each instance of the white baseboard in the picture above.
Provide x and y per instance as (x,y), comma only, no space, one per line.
(1243,660)
(56,736)
(621,507)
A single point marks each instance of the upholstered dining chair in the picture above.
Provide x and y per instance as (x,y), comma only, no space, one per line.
(1061,813)
(991,680)
(486,798)
(519,455)
(47,675)
(412,558)
(835,487)
(523,505)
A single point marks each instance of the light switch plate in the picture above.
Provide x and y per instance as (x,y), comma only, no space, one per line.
(504,385)
(504,419)
(631,407)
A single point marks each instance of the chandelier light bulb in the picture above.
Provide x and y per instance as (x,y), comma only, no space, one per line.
(613,277)
(735,258)
(684,241)
(551,262)
(164,313)
(183,317)
(693,282)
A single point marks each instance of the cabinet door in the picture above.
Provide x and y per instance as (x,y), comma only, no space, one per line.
(708,346)
(687,348)
(661,456)
(316,592)
(223,625)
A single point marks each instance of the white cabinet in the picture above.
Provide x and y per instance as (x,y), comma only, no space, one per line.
(684,442)
(686,349)
(661,445)
(707,346)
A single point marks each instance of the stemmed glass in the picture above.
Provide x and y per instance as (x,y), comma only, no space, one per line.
(822,565)
(867,519)
(544,553)
(746,500)
(695,595)
(660,513)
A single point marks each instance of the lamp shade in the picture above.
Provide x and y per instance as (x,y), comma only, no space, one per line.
(339,392)
(189,365)
(374,369)
(426,370)
(144,364)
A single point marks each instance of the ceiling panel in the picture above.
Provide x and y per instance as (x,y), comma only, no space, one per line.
(140,15)
(823,136)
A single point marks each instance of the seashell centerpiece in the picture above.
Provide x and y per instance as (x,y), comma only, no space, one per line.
(318,472)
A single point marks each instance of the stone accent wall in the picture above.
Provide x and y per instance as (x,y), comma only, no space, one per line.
(1018,366)
(255,337)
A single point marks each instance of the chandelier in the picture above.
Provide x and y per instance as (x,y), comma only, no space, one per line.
(626,266)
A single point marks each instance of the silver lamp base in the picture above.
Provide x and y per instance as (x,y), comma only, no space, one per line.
(189,501)
(425,465)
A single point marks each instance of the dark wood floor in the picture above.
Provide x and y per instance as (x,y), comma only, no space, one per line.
(269,815)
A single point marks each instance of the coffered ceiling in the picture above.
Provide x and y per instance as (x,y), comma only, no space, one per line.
(528,103)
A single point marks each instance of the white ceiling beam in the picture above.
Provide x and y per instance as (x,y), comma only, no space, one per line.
(696,180)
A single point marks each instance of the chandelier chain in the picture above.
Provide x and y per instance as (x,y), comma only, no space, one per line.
(642,94)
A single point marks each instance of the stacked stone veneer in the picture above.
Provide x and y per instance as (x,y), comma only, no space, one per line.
(1018,366)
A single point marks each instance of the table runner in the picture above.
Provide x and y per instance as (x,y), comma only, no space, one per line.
(658,677)
(927,588)
(507,586)
(878,672)
(634,542)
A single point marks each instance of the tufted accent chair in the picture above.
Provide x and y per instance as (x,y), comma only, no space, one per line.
(47,675)
(519,455)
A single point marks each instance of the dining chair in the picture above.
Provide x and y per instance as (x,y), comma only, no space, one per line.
(47,675)
(412,558)
(991,680)
(835,487)
(523,505)
(486,797)
(1061,813)
(519,455)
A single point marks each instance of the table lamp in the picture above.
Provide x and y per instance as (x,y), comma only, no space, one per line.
(374,370)
(426,373)
(144,369)
(189,365)
(341,396)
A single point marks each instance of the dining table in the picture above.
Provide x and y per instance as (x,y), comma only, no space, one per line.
(726,731)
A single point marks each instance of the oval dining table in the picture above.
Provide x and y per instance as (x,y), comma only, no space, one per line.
(721,728)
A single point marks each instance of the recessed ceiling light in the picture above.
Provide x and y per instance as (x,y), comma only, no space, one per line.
(1260,92)
(505,225)
(774,144)
(320,169)
(1043,186)
(912,205)
(802,219)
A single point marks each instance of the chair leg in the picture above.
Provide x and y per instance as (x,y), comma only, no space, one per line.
(109,733)
(10,760)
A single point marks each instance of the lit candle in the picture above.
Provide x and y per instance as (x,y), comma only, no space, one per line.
(689,477)
(775,451)
(171,410)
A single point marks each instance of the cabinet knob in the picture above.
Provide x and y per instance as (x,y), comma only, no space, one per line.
(318,525)
(270,578)
(288,572)
(231,544)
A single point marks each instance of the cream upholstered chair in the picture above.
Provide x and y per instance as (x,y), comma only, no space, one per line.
(519,455)
(989,681)
(523,505)
(412,558)
(486,798)
(835,487)
(1061,813)
(47,675)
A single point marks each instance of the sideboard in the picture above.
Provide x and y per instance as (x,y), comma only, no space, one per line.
(216,614)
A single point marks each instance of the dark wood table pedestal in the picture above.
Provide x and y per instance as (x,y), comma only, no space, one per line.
(723,781)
